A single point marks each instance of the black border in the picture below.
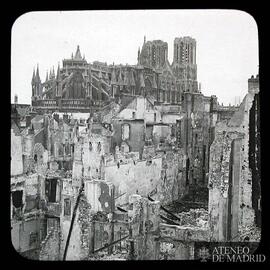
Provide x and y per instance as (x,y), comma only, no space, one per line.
(257,10)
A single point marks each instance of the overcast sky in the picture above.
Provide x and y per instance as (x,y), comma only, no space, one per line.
(227,44)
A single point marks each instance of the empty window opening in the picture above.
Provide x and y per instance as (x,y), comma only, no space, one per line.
(162,140)
(67,149)
(125,132)
(17,198)
(148,162)
(60,150)
(33,238)
(31,202)
(187,172)
(50,189)
(67,207)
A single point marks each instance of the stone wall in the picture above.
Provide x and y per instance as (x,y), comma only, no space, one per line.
(89,156)
(144,223)
(79,243)
(230,183)
(161,177)
(50,247)
(25,234)
(16,164)
(135,140)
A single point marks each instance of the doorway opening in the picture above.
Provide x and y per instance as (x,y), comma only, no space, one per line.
(50,189)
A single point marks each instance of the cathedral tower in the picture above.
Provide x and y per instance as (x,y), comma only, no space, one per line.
(36,85)
(184,63)
(154,54)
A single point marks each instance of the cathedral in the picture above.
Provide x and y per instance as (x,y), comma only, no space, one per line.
(79,85)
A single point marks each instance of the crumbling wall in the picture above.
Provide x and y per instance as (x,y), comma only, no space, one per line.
(100,195)
(230,205)
(69,192)
(194,137)
(177,242)
(142,109)
(25,234)
(220,162)
(32,192)
(170,188)
(16,163)
(79,243)
(144,223)
(89,156)
(247,212)
(50,246)
(161,177)
(136,136)
(141,177)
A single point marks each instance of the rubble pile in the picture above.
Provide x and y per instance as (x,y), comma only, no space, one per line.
(195,217)
(104,256)
(83,220)
(250,233)
(167,250)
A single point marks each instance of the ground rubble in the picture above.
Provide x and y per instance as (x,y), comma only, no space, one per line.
(104,256)
(194,217)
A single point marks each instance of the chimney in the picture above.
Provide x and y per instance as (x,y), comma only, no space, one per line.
(16,99)
(253,84)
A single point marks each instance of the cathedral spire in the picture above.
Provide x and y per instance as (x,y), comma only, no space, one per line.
(78,55)
(34,76)
(46,76)
(58,72)
(53,74)
(37,74)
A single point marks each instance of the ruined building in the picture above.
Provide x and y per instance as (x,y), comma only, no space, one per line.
(234,177)
(116,162)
